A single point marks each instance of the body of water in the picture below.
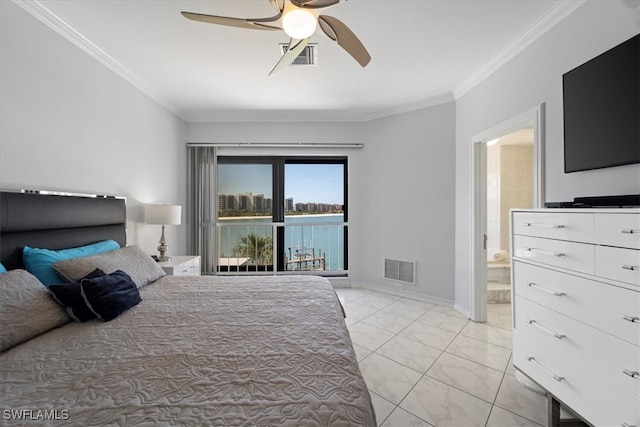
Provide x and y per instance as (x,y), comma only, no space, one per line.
(323,234)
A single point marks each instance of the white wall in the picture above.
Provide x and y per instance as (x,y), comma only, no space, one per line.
(70,124)
(405,200)
(532,78)
(275,132)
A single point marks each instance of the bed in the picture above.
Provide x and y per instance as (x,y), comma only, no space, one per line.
(197,350)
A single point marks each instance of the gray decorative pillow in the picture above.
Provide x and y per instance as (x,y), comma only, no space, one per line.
(26,309)
(130,259)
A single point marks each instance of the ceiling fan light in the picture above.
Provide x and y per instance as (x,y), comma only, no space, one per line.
(299,24)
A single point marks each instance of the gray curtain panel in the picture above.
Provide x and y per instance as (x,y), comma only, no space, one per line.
(202,205)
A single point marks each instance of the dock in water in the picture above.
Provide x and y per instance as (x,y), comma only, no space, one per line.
(303,260)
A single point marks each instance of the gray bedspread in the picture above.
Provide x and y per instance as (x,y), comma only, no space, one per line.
(213,351)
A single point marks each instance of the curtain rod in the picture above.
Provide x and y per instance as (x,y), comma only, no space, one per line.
(274,145)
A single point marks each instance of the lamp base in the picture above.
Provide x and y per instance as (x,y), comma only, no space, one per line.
(162,248)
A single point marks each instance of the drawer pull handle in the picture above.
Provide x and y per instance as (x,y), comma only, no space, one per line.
(632,319)
(542,328)
(540,251)
(538,224)
(632,374)
(544,368)
(630,231)
(628,425)
(631,267)
(550,291)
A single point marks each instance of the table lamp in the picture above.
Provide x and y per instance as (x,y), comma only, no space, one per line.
(163,215)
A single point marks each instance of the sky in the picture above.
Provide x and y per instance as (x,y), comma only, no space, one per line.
(307,183)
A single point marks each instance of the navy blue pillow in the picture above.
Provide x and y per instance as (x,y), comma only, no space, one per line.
(69,296)
(110,295)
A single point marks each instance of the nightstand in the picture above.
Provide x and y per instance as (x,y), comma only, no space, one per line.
(182,266)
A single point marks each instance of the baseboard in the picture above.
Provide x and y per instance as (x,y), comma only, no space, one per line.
(462,310)
(403,293)
(340,282)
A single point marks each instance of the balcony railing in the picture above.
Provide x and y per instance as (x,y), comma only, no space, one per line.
(309,246)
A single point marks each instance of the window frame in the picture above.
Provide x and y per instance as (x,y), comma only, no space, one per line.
(278,200)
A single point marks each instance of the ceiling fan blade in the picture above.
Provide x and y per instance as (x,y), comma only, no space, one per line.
(255,24)
(278,4)
(314,4)
(294,50)
(336,30)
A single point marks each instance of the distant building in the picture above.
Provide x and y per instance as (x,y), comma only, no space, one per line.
(258,203)
(249,202)
(227,202)
(245,202)
(288,204)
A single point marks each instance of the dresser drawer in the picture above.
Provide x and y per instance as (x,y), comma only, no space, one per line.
(591,397)
(577,227)
(602,306)
(618,264)
(559,253)
(619,229)
(601,354)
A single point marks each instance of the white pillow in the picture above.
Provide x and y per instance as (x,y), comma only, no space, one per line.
(130,259)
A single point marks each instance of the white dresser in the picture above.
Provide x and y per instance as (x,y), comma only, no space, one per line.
(576,309)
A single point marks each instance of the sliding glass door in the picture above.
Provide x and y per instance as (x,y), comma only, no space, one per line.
(282,214)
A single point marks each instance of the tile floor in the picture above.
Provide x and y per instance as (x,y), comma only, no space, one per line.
(427,365)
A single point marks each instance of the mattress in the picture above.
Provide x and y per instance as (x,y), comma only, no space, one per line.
(198,350)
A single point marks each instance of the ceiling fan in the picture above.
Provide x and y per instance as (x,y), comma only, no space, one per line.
(298,19)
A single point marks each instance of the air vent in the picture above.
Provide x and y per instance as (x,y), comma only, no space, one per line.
(309,56)
(400,271)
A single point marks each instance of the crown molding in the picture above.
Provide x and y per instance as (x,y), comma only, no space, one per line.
(39,11)
(550,19)
(227,116)
(432,101)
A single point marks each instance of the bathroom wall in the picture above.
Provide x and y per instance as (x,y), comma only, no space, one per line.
(494,223)
(516,184)
(509,185)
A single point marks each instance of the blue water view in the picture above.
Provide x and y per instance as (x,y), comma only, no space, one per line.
(304,234)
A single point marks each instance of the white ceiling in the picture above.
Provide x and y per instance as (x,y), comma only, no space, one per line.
(424,52)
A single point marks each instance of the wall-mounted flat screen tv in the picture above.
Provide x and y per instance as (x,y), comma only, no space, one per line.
(602,110)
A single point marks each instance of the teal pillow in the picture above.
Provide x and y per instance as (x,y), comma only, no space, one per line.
(39,261)
(2,269)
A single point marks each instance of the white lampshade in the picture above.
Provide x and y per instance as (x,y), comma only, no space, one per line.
(163,214)
(299,24)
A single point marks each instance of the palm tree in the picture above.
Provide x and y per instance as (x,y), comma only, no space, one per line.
(258,249)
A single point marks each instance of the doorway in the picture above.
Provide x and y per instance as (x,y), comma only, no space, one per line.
(509,185)
(495,191)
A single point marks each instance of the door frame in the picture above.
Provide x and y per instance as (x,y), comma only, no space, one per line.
(532,118)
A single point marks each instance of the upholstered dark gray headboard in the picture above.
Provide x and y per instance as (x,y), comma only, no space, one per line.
(56,222)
